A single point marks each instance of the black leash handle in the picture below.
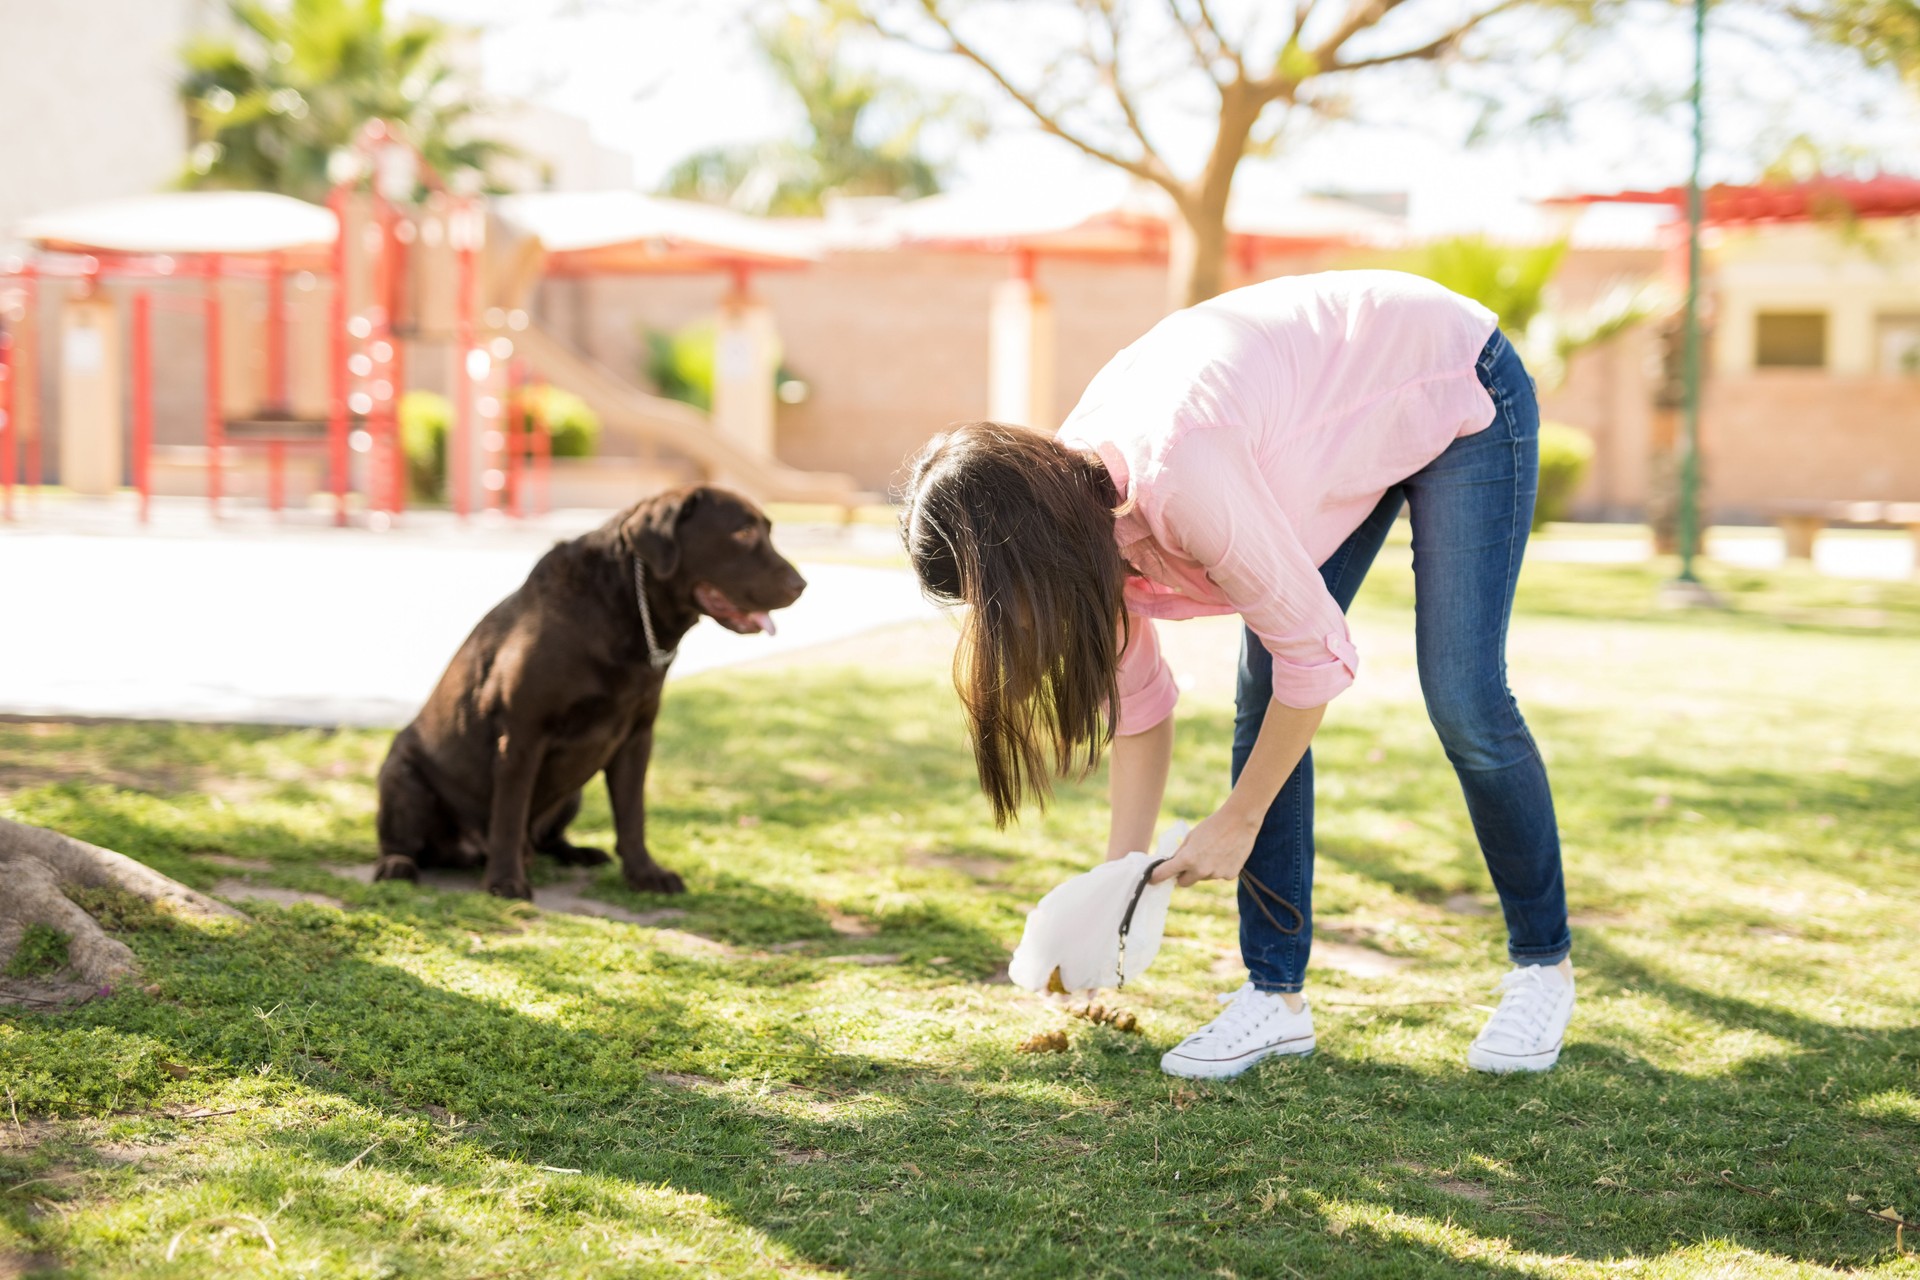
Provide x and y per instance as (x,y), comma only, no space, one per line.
(1255,890)
(1126,922)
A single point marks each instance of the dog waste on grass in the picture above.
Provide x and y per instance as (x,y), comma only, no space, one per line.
(1043,1042)
(1118,1019)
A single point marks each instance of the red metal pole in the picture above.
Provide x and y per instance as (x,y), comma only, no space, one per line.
(543,461)
(216,427)
(397,363)
(517,411)
(6,426)
(276,332)
(337,360)
(28,392)
(459,449)
(143,401)
(379,443)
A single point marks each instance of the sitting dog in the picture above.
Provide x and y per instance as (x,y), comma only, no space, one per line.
(561,680)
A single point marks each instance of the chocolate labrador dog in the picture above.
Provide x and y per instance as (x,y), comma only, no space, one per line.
(561,680)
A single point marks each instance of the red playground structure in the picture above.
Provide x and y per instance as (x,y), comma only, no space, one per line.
(313,323)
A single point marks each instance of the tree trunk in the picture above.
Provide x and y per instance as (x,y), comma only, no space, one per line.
(1197,257)
(37,866)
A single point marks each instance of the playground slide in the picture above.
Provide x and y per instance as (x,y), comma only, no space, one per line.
(631,412)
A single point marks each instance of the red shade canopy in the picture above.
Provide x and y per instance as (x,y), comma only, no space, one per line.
(1066,223)
(1886,196)
(624,232)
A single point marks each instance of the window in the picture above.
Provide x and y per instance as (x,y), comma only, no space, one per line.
(1790,340)
(1899,345)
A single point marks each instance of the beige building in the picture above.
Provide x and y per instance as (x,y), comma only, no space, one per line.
(893,346)
(1814,384)
(1812,388)
(87,90)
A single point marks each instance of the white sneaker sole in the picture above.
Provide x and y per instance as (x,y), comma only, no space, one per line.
(1501,1064)
(1226,1068)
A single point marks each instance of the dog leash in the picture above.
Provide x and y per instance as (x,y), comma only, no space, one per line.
(657,658)
(1255,890)
(1126,923)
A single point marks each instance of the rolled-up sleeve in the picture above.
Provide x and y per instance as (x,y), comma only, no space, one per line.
(1147,688)
(1214,505)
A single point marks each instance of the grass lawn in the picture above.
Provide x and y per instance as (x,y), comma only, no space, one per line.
(813,1070)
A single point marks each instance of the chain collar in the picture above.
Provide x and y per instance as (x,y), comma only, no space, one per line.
(657,658)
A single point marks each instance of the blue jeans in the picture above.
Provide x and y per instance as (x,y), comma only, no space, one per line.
(1471,509)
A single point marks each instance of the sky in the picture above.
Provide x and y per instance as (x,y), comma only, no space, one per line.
(659,79)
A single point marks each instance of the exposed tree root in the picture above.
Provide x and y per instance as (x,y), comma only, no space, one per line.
(37,867)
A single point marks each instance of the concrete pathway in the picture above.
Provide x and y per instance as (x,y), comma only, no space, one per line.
(303,625)
(1839,553)
(293,622)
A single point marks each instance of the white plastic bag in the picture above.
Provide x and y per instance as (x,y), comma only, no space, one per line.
(1076,929)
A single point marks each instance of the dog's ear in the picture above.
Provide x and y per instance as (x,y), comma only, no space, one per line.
(652,530)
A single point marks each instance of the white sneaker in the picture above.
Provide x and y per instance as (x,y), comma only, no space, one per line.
(1525,1032)
(1257,1024)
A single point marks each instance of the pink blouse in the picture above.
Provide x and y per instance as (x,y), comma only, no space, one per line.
(1250,435)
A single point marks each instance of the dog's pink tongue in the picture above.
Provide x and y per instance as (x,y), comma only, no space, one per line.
(764,621)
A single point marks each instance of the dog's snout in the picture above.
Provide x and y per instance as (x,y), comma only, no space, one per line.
(795,584)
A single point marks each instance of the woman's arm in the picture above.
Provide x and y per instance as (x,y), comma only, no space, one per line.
(1217,848)
(1136,781)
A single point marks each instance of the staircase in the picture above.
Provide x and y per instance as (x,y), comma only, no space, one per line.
(640,423)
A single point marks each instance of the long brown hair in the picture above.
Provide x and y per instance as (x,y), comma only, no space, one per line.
(1019,528)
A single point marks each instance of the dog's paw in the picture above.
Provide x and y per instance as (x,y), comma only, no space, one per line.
(508,887)
(654,879)
(397,866)
(573,855)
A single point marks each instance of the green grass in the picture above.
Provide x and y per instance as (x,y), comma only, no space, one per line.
(41,950)
(813,1072)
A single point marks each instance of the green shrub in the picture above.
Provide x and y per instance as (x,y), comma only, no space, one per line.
(1565,454)
(426,418)
(573,426)
(42,950)
(680,365)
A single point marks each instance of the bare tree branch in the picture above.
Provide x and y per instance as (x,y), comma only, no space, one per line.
(1433,48)
(1110,71)
(1048,121)
(1302,10)
(1214,29)
(1202,57)
(1226,47)
(1359,16)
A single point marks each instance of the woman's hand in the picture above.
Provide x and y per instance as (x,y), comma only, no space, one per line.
(1219,846)
(1214,850)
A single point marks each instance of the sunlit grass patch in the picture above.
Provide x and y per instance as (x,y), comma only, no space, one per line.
(812,1068)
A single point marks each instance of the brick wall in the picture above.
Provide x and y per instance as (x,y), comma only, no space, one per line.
(1783,434)
(892,345)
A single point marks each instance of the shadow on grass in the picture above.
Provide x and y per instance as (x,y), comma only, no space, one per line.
(1085,1164)
(1860,818)
(748,1078)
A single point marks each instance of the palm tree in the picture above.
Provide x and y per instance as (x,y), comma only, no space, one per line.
(1513,282)
(272,102)
(863,135)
